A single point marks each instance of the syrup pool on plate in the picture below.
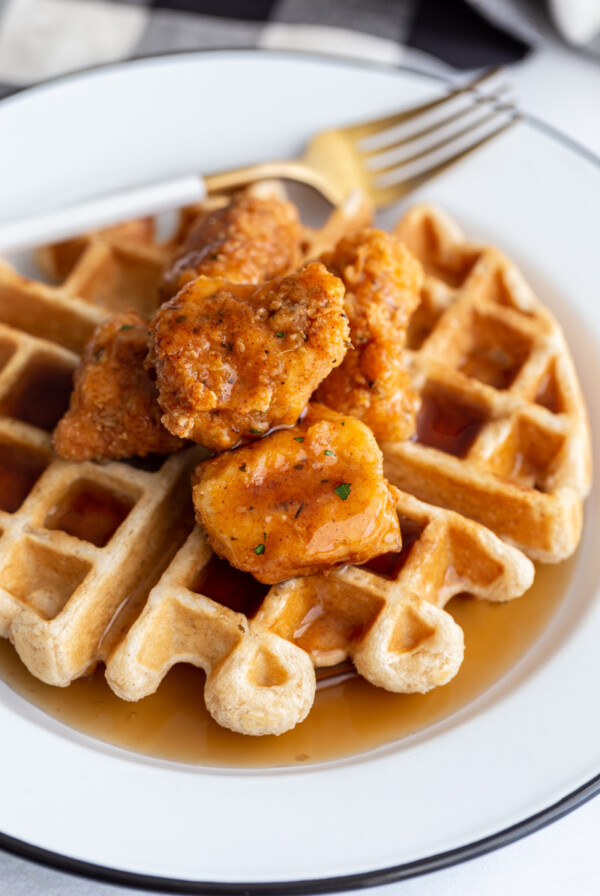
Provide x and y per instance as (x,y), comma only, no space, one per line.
(349,717)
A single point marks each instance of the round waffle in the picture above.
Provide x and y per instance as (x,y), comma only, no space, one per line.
(99,562)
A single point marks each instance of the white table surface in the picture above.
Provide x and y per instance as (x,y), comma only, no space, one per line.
(561,87)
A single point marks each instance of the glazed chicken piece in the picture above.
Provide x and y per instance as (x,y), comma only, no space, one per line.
(300,500)
(114,410)
(383,282)
(233,361)
(251,240)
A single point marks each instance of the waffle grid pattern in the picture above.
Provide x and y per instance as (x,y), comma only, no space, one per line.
(134,592)
(503,435)
(63,581)
(260,670)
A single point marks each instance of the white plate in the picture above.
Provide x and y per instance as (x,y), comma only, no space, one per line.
(525,751)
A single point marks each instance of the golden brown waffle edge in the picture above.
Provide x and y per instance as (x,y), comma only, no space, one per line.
(503,435)
(66,602)
(390,621)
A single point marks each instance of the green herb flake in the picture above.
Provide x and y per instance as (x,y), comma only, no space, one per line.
(242,468)
(299,511)
(126,327)
(259,549)
(264,536)
(343,490)
(256,432)
(329,453)
(181,319)
(298,438)
(280,335)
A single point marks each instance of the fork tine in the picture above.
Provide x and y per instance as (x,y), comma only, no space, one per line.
(384,196)
(368,129)
(441,143)
(438,125)
(330,675)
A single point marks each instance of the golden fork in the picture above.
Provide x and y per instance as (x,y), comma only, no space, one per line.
(337,162)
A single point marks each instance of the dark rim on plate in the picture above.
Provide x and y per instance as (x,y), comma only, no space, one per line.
(323,885)
(364,879)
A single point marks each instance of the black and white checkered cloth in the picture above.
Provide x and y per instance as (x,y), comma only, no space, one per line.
(40,39)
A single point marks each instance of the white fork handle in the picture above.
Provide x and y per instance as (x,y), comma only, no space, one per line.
(102,211)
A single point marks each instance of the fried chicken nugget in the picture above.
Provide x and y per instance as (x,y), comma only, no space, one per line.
(114,410)
(251,240)
(383,282)
(300,500)
(233,361)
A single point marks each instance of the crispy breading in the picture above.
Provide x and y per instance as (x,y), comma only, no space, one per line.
(383,282)
(251,240)
(300,500)
(232,361)
(114,410)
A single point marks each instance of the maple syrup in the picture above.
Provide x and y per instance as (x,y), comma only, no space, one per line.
(41,395)
(349,717)
(90,512)
(20,469)
(231,587)
(389,565)
(446,423)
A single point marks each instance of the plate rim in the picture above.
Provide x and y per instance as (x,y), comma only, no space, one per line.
(335,883)
(340,59)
